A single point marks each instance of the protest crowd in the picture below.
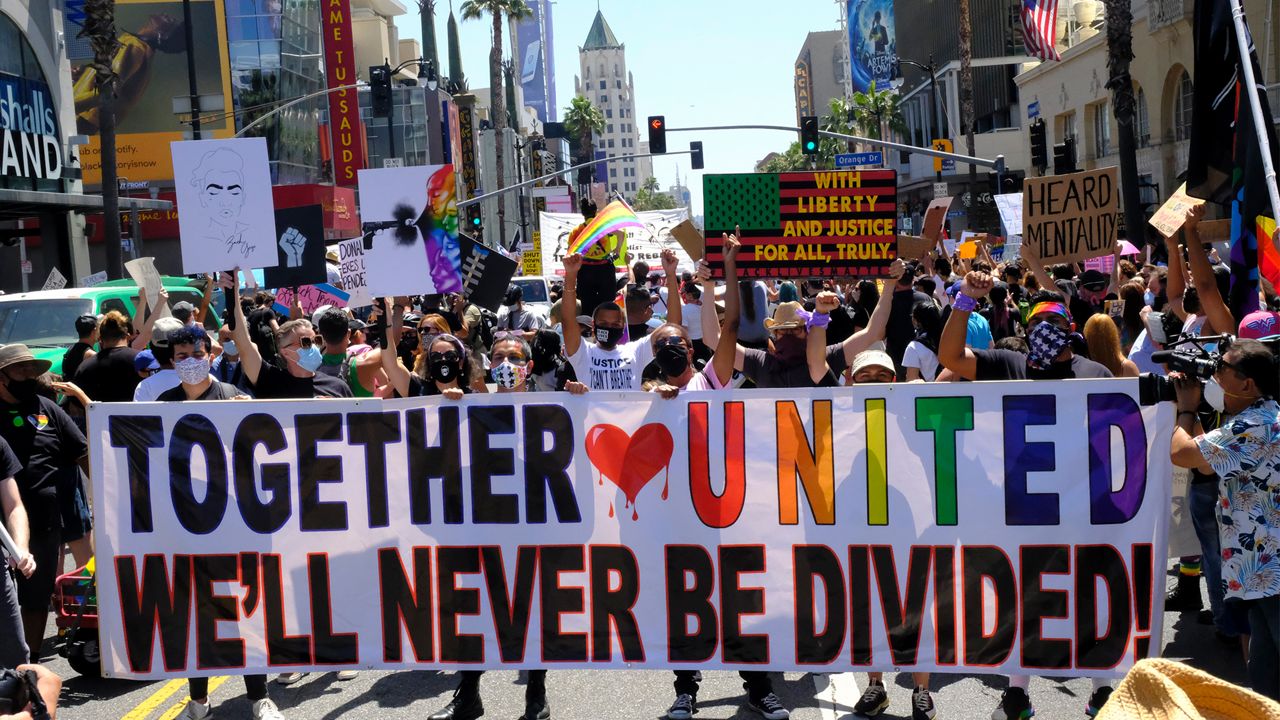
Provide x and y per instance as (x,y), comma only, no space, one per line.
(935,318)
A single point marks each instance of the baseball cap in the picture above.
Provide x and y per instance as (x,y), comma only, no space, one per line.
(1095,280)
(354,325)
(163,328)
(145,360)
(872,358)
(514,295)
(85,324)
(1259,324)
(183,311)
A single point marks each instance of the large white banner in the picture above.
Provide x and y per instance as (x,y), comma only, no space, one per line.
(977,527)
(646,245)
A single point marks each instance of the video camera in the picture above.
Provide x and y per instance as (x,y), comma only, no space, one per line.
(17,691)
(1187,355)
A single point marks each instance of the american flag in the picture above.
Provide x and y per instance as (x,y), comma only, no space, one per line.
(1039,28)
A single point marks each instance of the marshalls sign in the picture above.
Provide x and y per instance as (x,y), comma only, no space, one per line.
(1069,218)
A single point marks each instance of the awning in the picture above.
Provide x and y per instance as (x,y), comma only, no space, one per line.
(16,204)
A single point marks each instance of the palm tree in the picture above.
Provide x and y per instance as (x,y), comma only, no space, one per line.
(100,28)
(840,119)
(966,99)
(877,112)
(581,119)
(497,10)
(1119,55)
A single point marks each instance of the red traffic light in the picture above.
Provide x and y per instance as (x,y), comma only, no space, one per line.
(657,134)
(656,123)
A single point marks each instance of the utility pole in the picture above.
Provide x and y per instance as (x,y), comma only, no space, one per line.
(191,70)
(1119,55)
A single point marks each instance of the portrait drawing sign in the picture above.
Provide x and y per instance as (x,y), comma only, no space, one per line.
(226,216)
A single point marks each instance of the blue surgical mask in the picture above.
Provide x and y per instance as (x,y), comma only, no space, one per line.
(310,359)
(229,348)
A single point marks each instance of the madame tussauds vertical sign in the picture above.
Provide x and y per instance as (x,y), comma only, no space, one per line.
(344,106)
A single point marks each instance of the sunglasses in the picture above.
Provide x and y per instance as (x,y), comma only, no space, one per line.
(451,357)
(670,340)
(305,342)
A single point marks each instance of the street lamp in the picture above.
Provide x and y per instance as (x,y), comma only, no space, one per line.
(932,70)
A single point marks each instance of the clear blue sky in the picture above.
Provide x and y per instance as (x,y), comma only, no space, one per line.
(698,62)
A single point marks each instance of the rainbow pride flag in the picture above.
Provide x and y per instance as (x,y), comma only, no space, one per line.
(616,216)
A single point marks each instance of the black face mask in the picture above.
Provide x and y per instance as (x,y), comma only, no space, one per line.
(607,337)
(23,390)
(443,370)
(673,360)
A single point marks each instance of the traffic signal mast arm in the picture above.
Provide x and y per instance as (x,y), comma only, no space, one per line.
(548,176)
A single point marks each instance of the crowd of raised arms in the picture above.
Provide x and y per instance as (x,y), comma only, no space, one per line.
(933,319)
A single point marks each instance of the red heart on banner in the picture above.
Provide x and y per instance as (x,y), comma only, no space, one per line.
(629,461)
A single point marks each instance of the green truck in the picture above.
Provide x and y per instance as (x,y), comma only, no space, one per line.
(45,321)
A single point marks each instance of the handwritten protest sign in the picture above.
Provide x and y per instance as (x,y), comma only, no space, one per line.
(94,280)
(310,297)
(1010,207)
(144,274)
(799,224)
(1070,218)
(911,247)
(650,533)
(55,281)
(1214,231)
(935,217)
(1171,216)
(352,270)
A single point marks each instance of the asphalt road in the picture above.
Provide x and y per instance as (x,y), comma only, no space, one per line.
(611,695)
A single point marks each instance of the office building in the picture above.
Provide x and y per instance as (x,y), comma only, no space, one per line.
(820,73)
(605,81)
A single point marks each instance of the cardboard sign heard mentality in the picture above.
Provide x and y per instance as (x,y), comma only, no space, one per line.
(801,224)
(935,217)
(1073,217)
(1171,216)
(690,239)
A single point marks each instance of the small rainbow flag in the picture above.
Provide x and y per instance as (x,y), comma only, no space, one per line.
(614,217)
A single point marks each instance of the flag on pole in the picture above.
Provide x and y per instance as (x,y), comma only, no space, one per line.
(1040,28)
(615,216)
(1225,162)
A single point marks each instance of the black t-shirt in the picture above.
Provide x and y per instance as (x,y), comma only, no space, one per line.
(597,284)
(423,388)
(109,376)
(1081,310)
(72,359)
(9,465)
(844,321)
(276,384)
(766,371)
(216,391)
(48,445)
(900,331)
(1010,365)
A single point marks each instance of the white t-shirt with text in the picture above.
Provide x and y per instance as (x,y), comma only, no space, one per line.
(616,369)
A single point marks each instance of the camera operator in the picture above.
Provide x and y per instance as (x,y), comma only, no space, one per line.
(1245,453)
(47,685)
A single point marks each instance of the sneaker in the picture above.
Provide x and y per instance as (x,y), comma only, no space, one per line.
(196,711)
(1097,700)
(922,705)
(770,707)
(683,708)
(345,675)
(264,709)
(536,710)
(290,678)
(873,701)
(1014,705)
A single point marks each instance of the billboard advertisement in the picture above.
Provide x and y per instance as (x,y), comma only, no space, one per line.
(532,53)
(873,44)
(152,65)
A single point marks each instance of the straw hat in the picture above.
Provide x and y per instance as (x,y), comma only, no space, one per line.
(18,354)
(785,317)
(1158,689)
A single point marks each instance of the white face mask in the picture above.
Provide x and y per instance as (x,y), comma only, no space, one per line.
(1215,395)
(192,370)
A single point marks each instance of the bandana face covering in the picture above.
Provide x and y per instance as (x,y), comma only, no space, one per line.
(1047,342)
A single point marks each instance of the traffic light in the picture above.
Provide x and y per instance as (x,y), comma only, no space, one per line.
(1039,146)
(473,217)
(695,151)
(809,135)
(657,134)
(380,85)
(1064,157)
